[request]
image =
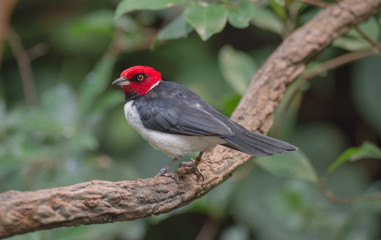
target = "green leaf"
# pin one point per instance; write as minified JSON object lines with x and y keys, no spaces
{"x":207,"y":20}
{"x":87,"y":35}
{"x":366,"y":150}
{"x":366,"y":87}
{"x":237,"y":67}
{"x":351,"y":44}
{"x":266,"y":19}
{"x":371,"y":28}
{"x":240,"y":15}
{"x":38,"y":122}
{"x":178,"y":28}
{"x":278,"y":7}
{"x":353,"y":41}
{"x":132,"y":5}
{"x":108,"y":100}
{"x":328,"y":143}
{"x":286,"y":114}
{"x":231,"y":103}
{"x":100,"y":21}
{"x":235,"y":232}
{"x":96,"y":82}
{"x":293,"y":164}
{"x":59,"y":103}
{"x":3,"y":112}
{"x":84,"y":141}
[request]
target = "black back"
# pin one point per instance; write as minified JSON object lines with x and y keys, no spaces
{"x":177,"y":110}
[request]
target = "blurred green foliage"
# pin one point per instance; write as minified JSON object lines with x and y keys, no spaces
{"x":77,"y":132}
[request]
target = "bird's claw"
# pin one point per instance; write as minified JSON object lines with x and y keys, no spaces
{"x":164,"y":173}
{"x":193,"y":164}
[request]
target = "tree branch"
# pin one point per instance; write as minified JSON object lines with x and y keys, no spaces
{"x":25,"y":69}
{"x":102,"y":201}
{"x":6,"y":9}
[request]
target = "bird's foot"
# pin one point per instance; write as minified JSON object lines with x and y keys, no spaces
{"x":193,"y":164}
{"x":163,"y":173}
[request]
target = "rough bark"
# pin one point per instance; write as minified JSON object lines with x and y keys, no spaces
{"x":102,"y":201}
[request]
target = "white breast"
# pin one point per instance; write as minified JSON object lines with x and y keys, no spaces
{"x":171,"y":144}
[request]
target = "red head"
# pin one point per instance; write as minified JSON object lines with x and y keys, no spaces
{"x":138,"y":79}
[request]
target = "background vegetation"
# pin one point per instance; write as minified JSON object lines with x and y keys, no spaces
{"x":61,"y":121}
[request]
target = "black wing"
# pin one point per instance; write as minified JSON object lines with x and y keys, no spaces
{"x":177,"y":110}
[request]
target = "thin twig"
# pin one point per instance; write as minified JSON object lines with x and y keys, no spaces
{"x":335,"y":199}
{"x":37,"y":51}
{"x":292,"y":15}
{"x":337,"y":62}
{"x":316,"y":71}
{"x":369,"y":39}
{"x":6,"y":10}
{"x":25,"y":69}
{"x":329,"y":65}
{"x":315,"y":3}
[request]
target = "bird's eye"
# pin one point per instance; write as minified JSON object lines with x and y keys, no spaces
{"x":140,"y":77}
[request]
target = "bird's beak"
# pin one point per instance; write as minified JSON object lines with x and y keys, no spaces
{"x":122,"y":81}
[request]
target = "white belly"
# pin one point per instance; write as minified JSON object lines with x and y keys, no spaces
{"x":171,"y":144}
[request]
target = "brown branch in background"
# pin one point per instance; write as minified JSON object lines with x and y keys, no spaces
{"x":37,"y":51}
{"x":292,"y":15}
{"x":316,"y":71}
{"x":335,"y":199}
{"x":337,"y":62}
{"x":6,"y":9}
{"x":24,"y":66}
{"x":103,"y":202}
{"x":289,"y":60}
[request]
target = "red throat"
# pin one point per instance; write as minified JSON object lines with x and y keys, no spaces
{"x":151,"y":78}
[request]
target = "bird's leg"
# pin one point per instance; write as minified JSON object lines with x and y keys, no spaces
{"x":194,"y":163}
{"x":163,"y":171}
{"x":198,"y":158}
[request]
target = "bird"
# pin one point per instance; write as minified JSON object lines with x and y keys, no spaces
{"x":177,"y":121}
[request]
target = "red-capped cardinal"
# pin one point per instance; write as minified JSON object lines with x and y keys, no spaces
{"x":177,"y":121}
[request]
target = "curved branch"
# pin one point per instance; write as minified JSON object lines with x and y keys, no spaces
{"x":6,"y":9}
{"x":25,"y":69}
{"x":102,"y":201}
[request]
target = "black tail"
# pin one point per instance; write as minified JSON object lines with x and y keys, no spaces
{"x":257,"y":144}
